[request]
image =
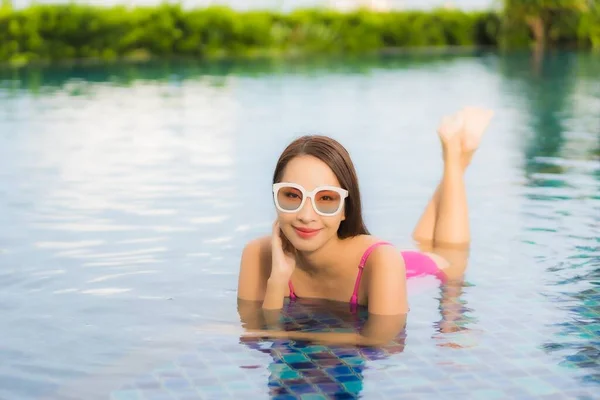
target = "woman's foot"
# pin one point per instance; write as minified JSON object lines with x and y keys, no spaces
{"x":476,"y":120}
{"x":451,"y":134}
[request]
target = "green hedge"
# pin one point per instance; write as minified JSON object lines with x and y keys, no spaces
{"x":58,"y":32}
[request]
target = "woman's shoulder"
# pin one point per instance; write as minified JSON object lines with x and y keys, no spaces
{"x":257,"y":248}
{"x":364,"y":242}
{"x":376,"y":250}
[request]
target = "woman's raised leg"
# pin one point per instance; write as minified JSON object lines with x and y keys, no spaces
{"x":445,"y":219}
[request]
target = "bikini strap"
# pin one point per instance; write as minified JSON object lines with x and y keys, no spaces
{"x":361,"y":266}
{"x":292,"y":294}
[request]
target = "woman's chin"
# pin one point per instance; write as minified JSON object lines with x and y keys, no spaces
{"x":302,"y":245}
{"x":308,"y":245}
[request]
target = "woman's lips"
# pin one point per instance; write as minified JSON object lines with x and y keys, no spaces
{"x":306,"y":233}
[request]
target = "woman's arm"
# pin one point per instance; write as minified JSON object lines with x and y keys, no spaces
{"x":254,"y":317}
{"x":379,"y":330}
{"x":253,"y":286}
{"x":385,"y":275}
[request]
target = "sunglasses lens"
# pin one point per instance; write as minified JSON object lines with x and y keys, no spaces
{"x":289,"y":198}
{"x":327,"y":201}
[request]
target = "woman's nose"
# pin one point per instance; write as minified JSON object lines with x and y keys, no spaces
{"x":307,"y":212}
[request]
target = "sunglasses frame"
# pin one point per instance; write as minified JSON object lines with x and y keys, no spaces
{"x":306,"y":194}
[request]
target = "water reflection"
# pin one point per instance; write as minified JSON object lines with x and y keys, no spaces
{"x":301,"y":367}
{"x":454,"y":328}
{"x":562,"y":187}
{"x":78,"y":78}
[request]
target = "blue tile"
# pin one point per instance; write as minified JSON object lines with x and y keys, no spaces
{"x":294,"y":358}
{"x":355,"y":361}
{"x":315,"y":349}
{"x":353,"y":387}
{"x":341,"y":370}
{"x":347,"y":378}
{"x":302,"y":388}
{"x":302,"y":365}
{"x":346,"y":352}
{"x":291,"y":382}
{"x":289,"y":375}
{"x":330,"y":387}
{"x":343,"y":396}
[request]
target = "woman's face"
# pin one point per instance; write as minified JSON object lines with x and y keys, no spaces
{"x":307,"y":228}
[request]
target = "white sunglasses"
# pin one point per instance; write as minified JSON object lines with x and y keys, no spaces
{"x":326,"y":200}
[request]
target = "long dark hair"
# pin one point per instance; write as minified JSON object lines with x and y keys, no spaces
{"x":332,"y":153}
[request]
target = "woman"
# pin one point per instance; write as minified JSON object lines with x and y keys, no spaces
{"x":321,"y":249}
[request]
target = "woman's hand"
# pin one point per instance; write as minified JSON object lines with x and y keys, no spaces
{"x":282,"y":266}
{"x":282,"y":263}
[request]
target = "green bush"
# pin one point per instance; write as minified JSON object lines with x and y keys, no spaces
{"x":70,"y":31}
{"x":588,"y":31}
{"x":550,"y":22}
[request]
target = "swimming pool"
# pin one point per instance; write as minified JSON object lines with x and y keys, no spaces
{"x":128,"y":191}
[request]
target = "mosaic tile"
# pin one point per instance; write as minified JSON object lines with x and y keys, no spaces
{"x":201,"y":382}
{"x":353,"y":386}
{"x":347,"y":378}
{"x":175,"y":383}
{"x":535,"y":386}
{"x":322,"y":379}
{"x":312,"y":396}
{"x":339,"y":370}
{"x":291,"y":382}
{"x":488,"y":394}
{"x":327,"y":363}
{"x":148,"y":385}
{"x":302,"y":388}
{"x":215,"y":388}
{"x":240,"y":386}
{"x":283,"y":397}
{"x":187,"y":395}
{"x":354,"y":360}
{"x":157,"y":396}
{"x":126,"y":395}
{"x":281,"y":391}
{"x":423,"y":390}
{"x":314,"y":373}
{"x":302,"y":365}
{"x":330,"y":387}
{"x":294,"y":358}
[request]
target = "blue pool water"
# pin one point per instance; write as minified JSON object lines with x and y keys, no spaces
{"x":128,"y":191}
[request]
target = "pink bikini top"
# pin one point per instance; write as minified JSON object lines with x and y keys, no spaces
{"x":361,"y":266}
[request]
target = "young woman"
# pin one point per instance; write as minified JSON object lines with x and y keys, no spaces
{"x":320,"y":247}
